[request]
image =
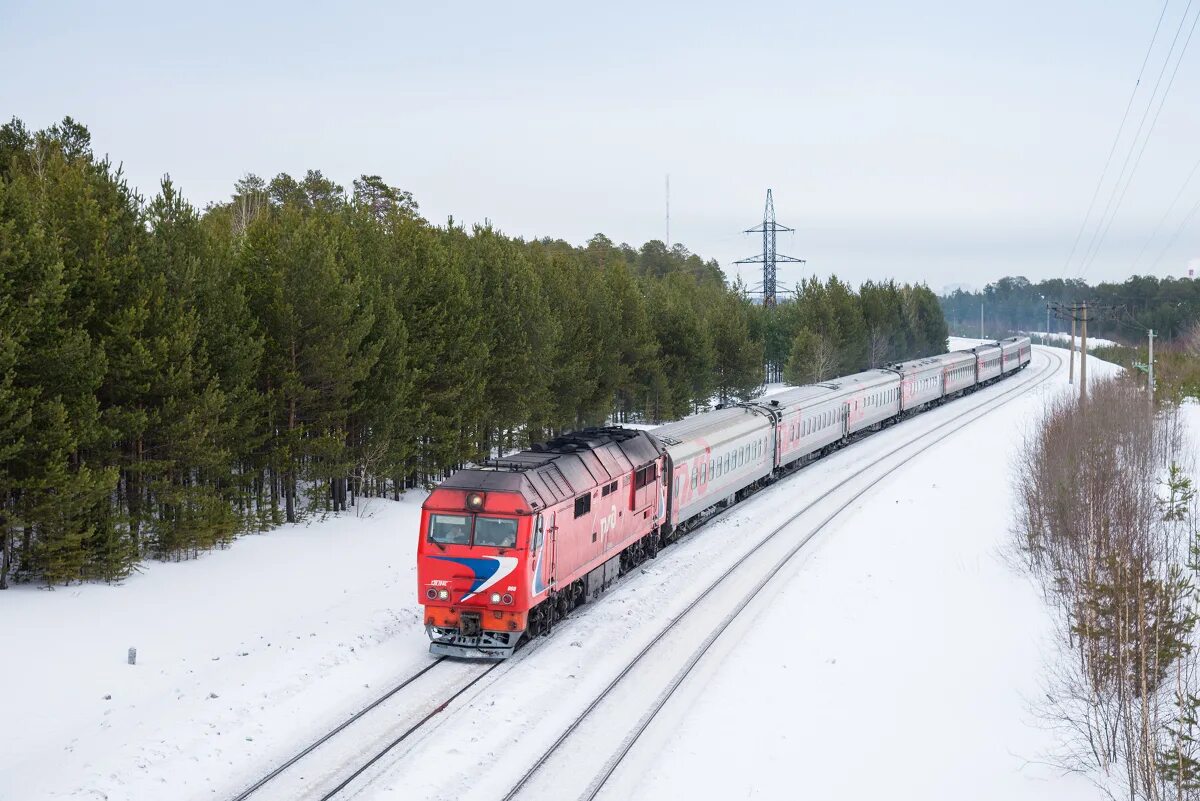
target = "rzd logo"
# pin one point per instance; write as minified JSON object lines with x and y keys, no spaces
{"x":608,"y":523}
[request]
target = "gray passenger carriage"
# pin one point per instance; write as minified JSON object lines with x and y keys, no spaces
{"x":987,"y":362}
{"x":809,"y":419}
{"x":872,"y":397}
{"x":713,"y":456}
{"x":920,"y":382}
{"x":958,"y":371}
{"x":1016,"y":353}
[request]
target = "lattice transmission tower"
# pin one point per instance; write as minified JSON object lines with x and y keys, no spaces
{"x":769,"y":258}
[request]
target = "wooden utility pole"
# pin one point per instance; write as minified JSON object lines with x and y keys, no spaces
{"x":981,"y":320}
{"x":1150,"y":371}
{"x":1071,"y":376}
{"x":1083,"y":360}
{"x":1081,"y":313}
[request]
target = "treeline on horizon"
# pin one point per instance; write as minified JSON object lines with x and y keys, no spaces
{"x":171,"y":378}
{"x":1170,"y":306}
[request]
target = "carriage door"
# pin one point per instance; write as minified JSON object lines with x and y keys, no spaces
{"x":552,"y":549}
{"x":644,"y":483}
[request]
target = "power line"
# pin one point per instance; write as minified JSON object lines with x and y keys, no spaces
{"x":1178,"y":230}
{"x":1150,"y":132}
{"x":1116,"y":140}
{"x":1166,"y":214}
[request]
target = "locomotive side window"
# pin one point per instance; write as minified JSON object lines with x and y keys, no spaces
{"x":583,"y":504}
{"x":496,"y":532}
{"x":450,"y":529}
{"x":646,"y":475}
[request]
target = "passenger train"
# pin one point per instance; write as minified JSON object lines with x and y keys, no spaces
{"x":511,"y":546}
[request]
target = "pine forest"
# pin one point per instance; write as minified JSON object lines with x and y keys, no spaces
{"x":172,"y":377}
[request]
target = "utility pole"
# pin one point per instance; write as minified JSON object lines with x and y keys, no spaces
{"x":1071,"y":378}
{"x":1081,"y":313}
{"x":1150,"y":370}
{"x":1046,"y":339}
{"x":768,"y":228}
{"x":1083,"y":361}
{"x":981,"y":319}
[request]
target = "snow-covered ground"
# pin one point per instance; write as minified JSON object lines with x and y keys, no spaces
{"x":895,"y":657}
{"x":1058,"y":336}
{"x":241,"y":654}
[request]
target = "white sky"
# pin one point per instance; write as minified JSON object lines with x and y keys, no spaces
{"x":939,"y":141}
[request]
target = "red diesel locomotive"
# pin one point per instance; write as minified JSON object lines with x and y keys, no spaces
{"x":558,"y":519}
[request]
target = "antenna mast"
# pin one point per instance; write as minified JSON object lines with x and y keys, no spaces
{"x":668,"y":211}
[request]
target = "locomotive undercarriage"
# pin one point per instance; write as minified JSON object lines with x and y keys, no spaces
{"x":561,"y":603}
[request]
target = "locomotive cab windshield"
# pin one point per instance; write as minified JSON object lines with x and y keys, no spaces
{"x":472,"y":530}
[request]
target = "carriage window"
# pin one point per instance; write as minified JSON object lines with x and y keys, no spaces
{"x":450,"y":529}
{"x":583,"y":505}
{"x":496,"y":532}
{"x":695,"y":478}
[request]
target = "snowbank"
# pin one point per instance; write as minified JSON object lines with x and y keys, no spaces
{"x":242,"y":654}
{"x":1058,"y":336}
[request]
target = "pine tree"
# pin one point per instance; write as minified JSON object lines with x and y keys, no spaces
{"x":738,"y":359}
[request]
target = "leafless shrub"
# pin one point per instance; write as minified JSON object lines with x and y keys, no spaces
{"x":1091,"y":528}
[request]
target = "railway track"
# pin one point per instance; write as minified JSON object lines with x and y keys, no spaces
{"x":634,"y":698}
{"x":328,"y":767}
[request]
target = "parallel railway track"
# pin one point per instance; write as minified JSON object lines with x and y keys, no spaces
{"x":541,"y":781}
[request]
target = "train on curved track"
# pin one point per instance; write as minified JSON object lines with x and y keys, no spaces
{"x":511,"y":546}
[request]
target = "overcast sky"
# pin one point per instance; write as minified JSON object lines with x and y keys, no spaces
{"x":938,"y":141}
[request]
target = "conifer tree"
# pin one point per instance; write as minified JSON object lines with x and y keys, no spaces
{"x":738,"y":359}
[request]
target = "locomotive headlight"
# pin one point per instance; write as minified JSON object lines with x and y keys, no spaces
{"x":475,"y":501}
{"x":443,"y":595}
{"x":495,"y":597}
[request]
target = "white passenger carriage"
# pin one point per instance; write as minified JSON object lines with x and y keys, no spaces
{"x":810,"y":418}
{"x":958,"y":370}
{"x":1016,"y":353}
{"x":714,"y":455}
{"x":871,"y":398}
{"x":987,"y":362}
{"x":920,"y":382}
